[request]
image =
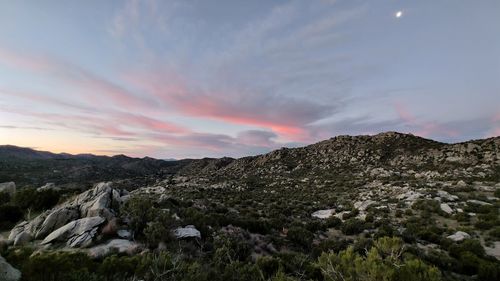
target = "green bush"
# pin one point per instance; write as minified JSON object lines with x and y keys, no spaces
{"x":352,"y":226}
{"x":30,"y":198}
{"x":300,"y":236}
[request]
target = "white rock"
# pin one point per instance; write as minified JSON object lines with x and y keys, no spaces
{"x":48,"y":186}
{"x":323,"y":214}
{"x":493,"y":251}
{"x":125,"y":234}
{"x":8,"y":187}
{"x":119,"y":245}
{"x":56,"y":219}
{"x":341,"y":215}
{"x":477,"y":202}
{"x":187,"y":232}
{"x":459,"y":236}
{"x":445,"y":195}
{"x":446,"y":208}
{"x":18,"y":229}
{"x":7,"y":272}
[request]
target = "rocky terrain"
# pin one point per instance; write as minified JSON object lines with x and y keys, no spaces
{"x":291,"y":214}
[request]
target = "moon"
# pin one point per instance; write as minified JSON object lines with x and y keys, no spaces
{"x":399,"y":14}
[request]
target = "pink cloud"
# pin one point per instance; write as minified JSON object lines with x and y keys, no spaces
{"x":422,"y":128}
{"x":283,"y":115}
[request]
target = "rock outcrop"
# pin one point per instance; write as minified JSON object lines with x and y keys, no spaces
{"x":7,"y":272}
{"x":75,"y":222}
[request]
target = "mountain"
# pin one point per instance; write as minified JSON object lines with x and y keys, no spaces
{"x":341,"y":155}
{"x":27,"y":166}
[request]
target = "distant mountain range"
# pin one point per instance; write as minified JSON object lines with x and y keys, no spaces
{"x":391,"y":149}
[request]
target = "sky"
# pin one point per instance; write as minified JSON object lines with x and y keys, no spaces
{"x":207,"y":78}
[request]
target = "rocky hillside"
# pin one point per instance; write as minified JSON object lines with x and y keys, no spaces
{"x":384,"y":155}
{"x":394,"y":206}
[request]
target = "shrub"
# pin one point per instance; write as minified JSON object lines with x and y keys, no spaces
{"x":269,"y":266}
{"x":352,"y":226}
{"x":9,"y":215}
{"x":384,"y":261}
{"x":300,"y":236}
{"x":30,"y":198}
{"x":333,"y":222}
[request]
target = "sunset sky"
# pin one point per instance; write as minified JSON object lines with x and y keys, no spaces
{"x":196,"y":78}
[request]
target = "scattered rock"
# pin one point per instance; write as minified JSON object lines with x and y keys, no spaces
{"x":446,"y":208}
{"x":8,"y":187}
{"x":7,"y":272}
{"x":187,"y":232}
{"x":459,"y":236}
{"x":410,"y":196}
{"x":323,"y":214}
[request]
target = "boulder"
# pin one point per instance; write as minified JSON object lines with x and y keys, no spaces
{"x":446,"y":208}
{"x":7,"y":272}
{"x":446,"y":196}
{"x":18,"y":229}
{"x":8,"y":187}
{"x":78,"y":233}
{"x":459,"y":236}
{"x":323,"y":214}
{"x":56,"y":219}
{"x":118,"y":245}
{"x":125,"y":234}
{"x":22,"y":239}
{"x":187,"y":232}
